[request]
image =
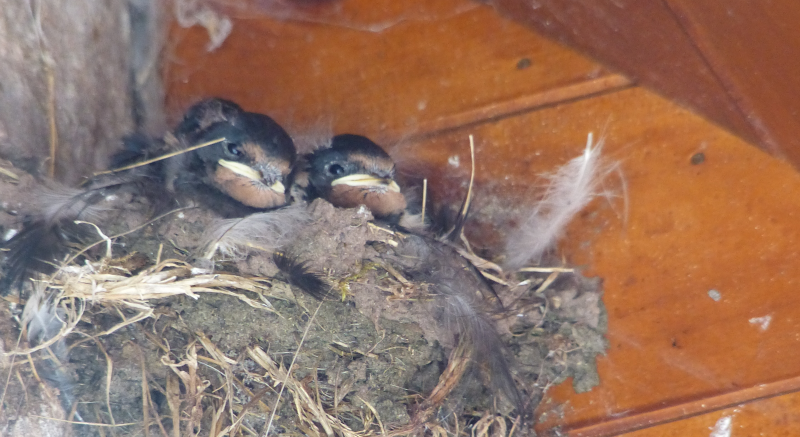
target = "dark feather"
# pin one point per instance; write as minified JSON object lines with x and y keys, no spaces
{"x":37,"y":248}
{"x":461,"y":219}
{"x":136,"y":147}
{"x":466,"y":300}
{"x":301,"y":276}
{"x":46,"y":239}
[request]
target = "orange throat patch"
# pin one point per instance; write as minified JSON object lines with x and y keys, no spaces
{"x":382,"y":203}
{"x":247,"y":191}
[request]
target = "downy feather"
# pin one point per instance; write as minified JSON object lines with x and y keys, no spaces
{"x":60,"y":202}
{"x":569,"y":190}
{"x":43,"y":321}
{"x":264,"y":231}
{"x":46,"y":236}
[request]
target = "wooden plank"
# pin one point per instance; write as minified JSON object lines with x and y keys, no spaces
{"x":418,"y":75}
{"x":644,"y":41}
{"x":65,"y":88}
{"x":725,"y":225}
{"x":769,"y":417}
{"x":754,"y":48}
{"x":722,"y":225}
{"x":679,"y":416}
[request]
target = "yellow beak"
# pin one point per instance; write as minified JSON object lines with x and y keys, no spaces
{"x":250,"y":173}
{"x":365,"y":180}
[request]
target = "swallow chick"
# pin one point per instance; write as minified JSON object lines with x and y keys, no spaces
{"x":355,"y":171}
{"x":250,"y":167}
{"x":244,"y":170}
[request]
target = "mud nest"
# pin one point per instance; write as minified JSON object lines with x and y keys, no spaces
{"x":163,"y":344}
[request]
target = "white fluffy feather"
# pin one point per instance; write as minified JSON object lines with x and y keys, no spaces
{"x":265,"y":231}
{"x":413,"y":223}
{"x":40,"y":317}
{"x":569,"y":190}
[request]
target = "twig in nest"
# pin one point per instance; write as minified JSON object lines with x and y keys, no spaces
{"x":73,"y":319}
{"x":468,"y":200}
{"x":392,"y":271}
{"x":173,"y":389}
{"x":374,"y":412}
{"x":552,"y":277}
{"x":9,"y":173}
{"x":424,"y":197}
{"x":147,"y":401}
{"x":109,"y":373}
{"x":544,"y":314}
{"x":458,"y":229}
{"x":307,"y":410}
{"x":113,"y":237}
{"x":51,"y":114}
{"x":162,"y":157}
{"x":457,"y":365}
{"x":483,"y":427}
{"x":8,"y":377}
{"x":255,"y":398}
{"x":216,"y":423}
{"x":103,"y":425}
{"x":483,"y":265}
{"x":99,"y":232}
{"x":212,"y":349}
{"x":546,"y":270}
{"x":169,"y":278}
{"x":388,"y":231}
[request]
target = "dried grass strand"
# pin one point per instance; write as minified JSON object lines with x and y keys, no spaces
{"x":162,"y":157}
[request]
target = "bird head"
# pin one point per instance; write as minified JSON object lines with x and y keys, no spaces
{"x":355,"y":171}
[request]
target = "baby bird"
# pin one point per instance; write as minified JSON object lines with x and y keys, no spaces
{"x":251,"y":165}
{"x":246,"y":169}
{"x":355,"y":171}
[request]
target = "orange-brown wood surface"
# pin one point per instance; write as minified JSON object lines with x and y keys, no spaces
{"x":642,"y":39}
{"x":409,"y":79}
{"x":723,"y":225}
{"x":754,"y":49}
{"x":775,"y":417}
{"x":728,"y":224}
{"x":733,"y":61}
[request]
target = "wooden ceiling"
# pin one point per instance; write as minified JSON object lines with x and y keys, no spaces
{"x":735,"y":62}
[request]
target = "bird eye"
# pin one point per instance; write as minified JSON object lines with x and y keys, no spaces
{"x":234,"y":149}
{"x":335,"y":169}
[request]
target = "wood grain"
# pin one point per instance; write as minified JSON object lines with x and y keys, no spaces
{"x":413,"y":77}
{"x":774,"y":417}
{"x":722,"y":225}
{"x":643,"y":40}
{"x":725,"y":225}
{"x":754,"y":50}
{"x":735,"y":62}
{"x":678,"y":418}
